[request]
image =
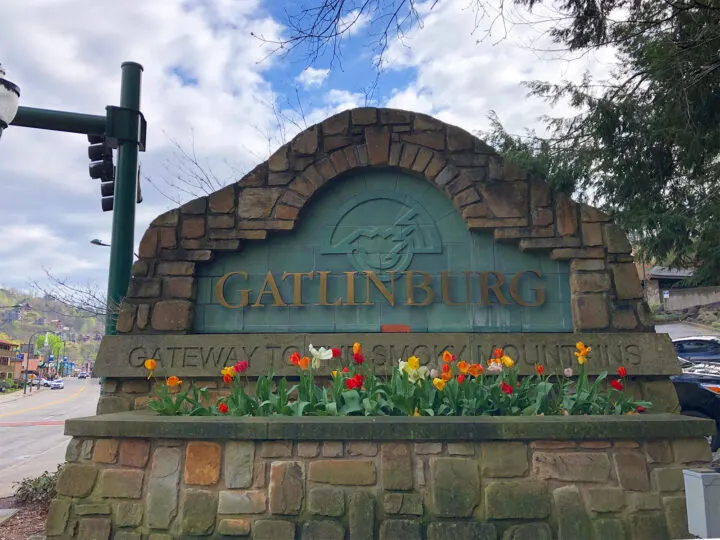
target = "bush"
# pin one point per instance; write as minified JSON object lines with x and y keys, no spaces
{"x":7,"y":384}
{"x":40,"y":489}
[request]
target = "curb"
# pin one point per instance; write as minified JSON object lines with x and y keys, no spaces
{"x":703,"y":326}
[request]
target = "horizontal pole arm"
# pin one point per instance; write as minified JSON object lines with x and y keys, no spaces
{"x":87,"y":124}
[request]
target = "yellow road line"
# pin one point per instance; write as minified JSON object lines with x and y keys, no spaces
{"x":73,"y":396}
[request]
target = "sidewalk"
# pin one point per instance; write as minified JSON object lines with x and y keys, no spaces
{"x":14,"y":396}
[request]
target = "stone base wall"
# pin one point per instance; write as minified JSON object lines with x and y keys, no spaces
{"x":158,"y":489}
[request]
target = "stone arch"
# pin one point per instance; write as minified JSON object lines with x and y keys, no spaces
{"x":490,"y":193}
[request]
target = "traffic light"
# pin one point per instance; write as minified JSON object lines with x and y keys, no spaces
{"x":101,"y":167}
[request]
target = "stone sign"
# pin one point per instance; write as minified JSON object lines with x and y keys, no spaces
{"x":206,"y":355}
{"x":379,"y":248}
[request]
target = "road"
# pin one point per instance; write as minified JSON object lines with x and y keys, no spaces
{"x":680,"y":330}
{"x":31,"y":428}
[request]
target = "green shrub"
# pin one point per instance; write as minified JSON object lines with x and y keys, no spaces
{"x":40,"y":489}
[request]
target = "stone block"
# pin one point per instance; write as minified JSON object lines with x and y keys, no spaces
{"x":172,"y":315}
{"x":658,"y":451}
{"x":322,"y":529}
{"x":259,"y":475}
{"x":616,"y":239}
{"x":242,"y":502}
{"x":179,"y":287}
{"x":691,"y":450}
{"x":361,"y":515}
{"x":134,"y":452}
{"x":528,"y":531}
{"x":192,"y":227}
{"x":590,"y":265}
{"x":396,"y":466}
{"x":336,"y":124}
{"x":175,"y":268}
{"x":631,"y":470}
{"x":202,"y":463}
{"x":306,"y":143}
{"x":516,"y":499}
{"x":403,"y":503}
{"x":360,"y":448}
{"x":605,"y":499}
{"x":566,"y":215}
{"x":326,"y":501}
{"x":276,"y":449}
{"x":127,"y":514}
{"x":149,"y":244}
{"x":143,"y":316}
{"x":307,"y":449}
{"x":196,"y":206}
{"x":627,"y":282}
{"x":223,"y":201}
{"x":638,"y":500}
{"x":127,"y":535}
{"x":595,"y":444}
{"x":72,"y":452}
{"x":234,"y":527}
{"x":112,"y":404}
{"x":377,"y":140}
{"x":454,"y":486}
{"x":198,"y":511}
{"x":589,"y":282}
{"x":162,"y":490}
{"x":400,"y":529}
{"x":332,"y":449}
{"x":590,"y":312}
{"x":623,"y":318}
{"x":504,"y":459}
{"x":572,"y":520}
{"x":661,"y":393}
{"x":273,"y":529}
{"x":572,"y":466}
{"x":92,"y":509}
{"x":141,"y":287}
{"x":121,"y":483}
{"x":433,"y":140}
{"x":105,"y":451}
{"x":461,"y":449}
{"x":57,"y":517}
{"x":287,"y":487}
{"x":428,"y":448}
{"x":461,"y":531}
{"x":278,"y":162}
{"x":160,"y":536}
{"x":257,"y":203}
{"x":94,"y":529}
{"x":238,"y":467}
{"x":422,"y":160}
{"x":592,"y":234}
{"x":667,"y":479}
{"x":552,"y":445}
{"x":648,"y":526}
{"x":76,"y":480}
{"x":345,"y":472}
{"x":676,"y":517}
{"x":608,"y":529}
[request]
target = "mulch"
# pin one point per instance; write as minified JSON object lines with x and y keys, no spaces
{"x":29,"y":520}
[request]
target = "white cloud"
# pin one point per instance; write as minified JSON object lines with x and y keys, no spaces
{"x":353,"y":22}
{"x":466,"y":66}
{"x":312,"y":77}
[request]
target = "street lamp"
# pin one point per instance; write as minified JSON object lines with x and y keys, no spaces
{"x":31,"y":347}
{"x":9,"y":96}
{"x":123,"y":129}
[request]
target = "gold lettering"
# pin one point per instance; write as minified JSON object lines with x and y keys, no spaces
{"x":425,"y":286}
{"x":350,"y":301}
{"x":273,"y":291}
{"x":297,"y":285}
{"x":445,"y":281}
{"x":324,"y":291}
{"x":539,"y":291}
{"x":380,"y":286}
{"x":485,"y":288}
{"x":220,"y":291}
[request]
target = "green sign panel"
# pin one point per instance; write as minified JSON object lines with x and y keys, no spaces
{"x":377,"y":249}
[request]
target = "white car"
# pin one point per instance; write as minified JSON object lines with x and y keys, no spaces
{"x":57,"y":384}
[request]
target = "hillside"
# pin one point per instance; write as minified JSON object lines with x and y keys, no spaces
{"x":81,"y":332}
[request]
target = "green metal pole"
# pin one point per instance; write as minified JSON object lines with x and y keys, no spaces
{"x":121,"y":246}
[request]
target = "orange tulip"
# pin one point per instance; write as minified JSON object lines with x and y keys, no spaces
{"x":174,"y":381}
{"x":304,"y":362}
{"x":464,"y":367}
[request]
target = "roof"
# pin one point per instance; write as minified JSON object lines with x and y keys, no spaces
{"x":11,"y":343}
{"x":702,"y":338}
{"x":667,"y":272}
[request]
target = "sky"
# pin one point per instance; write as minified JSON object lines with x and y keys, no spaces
{"x":219,"y":97}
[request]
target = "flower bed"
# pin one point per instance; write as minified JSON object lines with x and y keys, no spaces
{"x":457,"y":389}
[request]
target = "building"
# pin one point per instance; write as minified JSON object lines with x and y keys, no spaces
{"x":660,"y":279}
{"x":7,"y":359}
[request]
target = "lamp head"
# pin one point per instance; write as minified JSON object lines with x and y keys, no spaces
{"x":9,"y":97}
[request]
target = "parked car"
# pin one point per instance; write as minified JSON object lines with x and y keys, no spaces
{"x":698,"y":391}
{"x":698,"y":348}
{"x":57,"y":384}
{"x":82,"y":375}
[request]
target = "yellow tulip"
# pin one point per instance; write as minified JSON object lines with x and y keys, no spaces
{"x":439,"y":384}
